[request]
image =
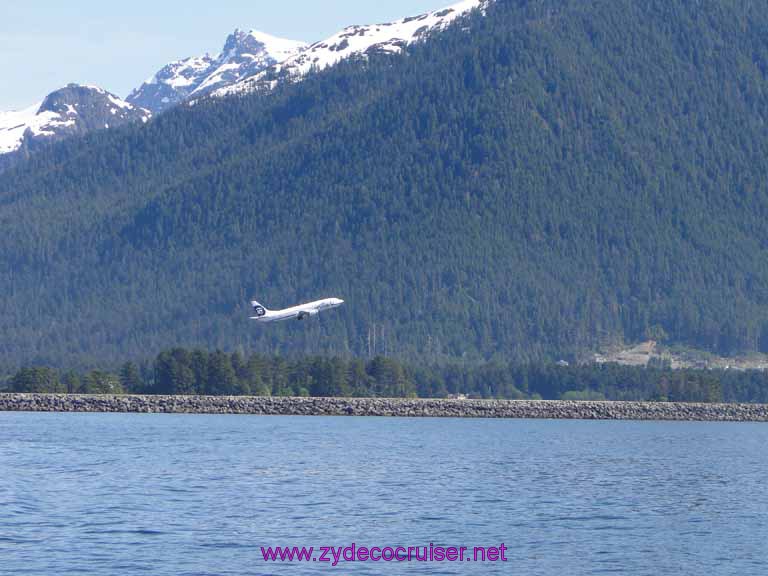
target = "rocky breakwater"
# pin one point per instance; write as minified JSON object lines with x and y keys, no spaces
{"x":393,"y":407}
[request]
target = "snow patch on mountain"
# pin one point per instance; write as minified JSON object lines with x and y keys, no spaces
{"x":391,"y":37}
{"x":13,"y":124}
{"x":249,"y":61}
{"x":65,"y":112}
{"x":244,"y":55}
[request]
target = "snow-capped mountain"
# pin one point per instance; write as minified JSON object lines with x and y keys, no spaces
{"x":72,"y":110}
{"x":172,"y":84}
{"x":244,"y":55}
{"x":353,"y":41}
{"x":250,"y":61}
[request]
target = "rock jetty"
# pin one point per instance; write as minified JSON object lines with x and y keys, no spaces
{"x":391,"y":407}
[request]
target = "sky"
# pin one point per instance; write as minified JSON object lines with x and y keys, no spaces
{"x":46,"y":44}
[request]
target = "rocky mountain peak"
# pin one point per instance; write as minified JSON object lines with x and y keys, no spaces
{"x":390,"y":37}
{"x":69,"y":111}
{"x":245,"y":54}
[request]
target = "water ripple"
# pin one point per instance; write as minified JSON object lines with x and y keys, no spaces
{"x":92,"y":494}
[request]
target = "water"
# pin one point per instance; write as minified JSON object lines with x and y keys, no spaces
{"x":152,"y":494}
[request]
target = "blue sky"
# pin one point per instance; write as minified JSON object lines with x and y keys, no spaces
{"x":45,"y":44}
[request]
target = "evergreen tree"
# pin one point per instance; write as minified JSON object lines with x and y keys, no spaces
{"x":37,"y":380}
{"x":130,"y":378}
{"x":222,"y":379}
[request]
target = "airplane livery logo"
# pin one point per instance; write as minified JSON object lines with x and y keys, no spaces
{"x":259,"y":311}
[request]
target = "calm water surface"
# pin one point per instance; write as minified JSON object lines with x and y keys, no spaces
{"x":153,"y":494}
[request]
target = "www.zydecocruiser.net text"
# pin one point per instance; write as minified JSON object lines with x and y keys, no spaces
{"x":335,"y":555}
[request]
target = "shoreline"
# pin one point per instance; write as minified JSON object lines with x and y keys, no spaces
{"x":386,"y":407}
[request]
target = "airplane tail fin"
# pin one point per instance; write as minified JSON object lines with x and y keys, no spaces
{"x":258,"y":309}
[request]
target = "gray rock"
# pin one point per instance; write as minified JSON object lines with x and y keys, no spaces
{"x":431,"y":408}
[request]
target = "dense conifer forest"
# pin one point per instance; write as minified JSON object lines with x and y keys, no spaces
{"x":525,"y":186}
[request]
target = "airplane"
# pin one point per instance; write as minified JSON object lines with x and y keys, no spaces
{"x":302,"y":312}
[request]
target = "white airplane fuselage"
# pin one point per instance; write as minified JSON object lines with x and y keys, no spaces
{"x":302,"y":312}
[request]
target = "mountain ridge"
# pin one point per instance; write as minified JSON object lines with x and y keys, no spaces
{"x":244,"y":54}
{"x":548,"y":179}
{"x":352,"y":41}
{"x":249,"y":60}
{"x":73,"y":110}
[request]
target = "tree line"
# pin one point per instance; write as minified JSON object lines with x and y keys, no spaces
{"x":197,"y":372}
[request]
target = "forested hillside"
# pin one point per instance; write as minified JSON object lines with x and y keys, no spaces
{"x":525,"y":185}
